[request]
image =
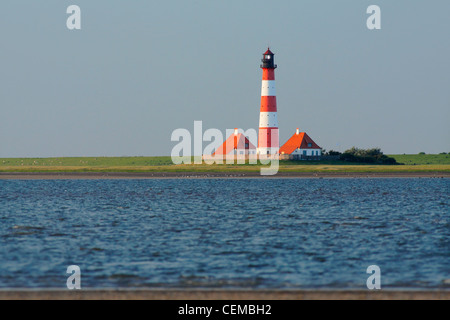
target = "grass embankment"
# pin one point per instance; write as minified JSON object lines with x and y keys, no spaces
{"x":422,"y":159}
{"x":413,"y":163}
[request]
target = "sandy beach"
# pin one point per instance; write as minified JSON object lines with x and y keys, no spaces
{"x":200,"y":175}
{"x":220,"y":294}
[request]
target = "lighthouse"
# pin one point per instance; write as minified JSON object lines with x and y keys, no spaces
{"x":268,"y":141}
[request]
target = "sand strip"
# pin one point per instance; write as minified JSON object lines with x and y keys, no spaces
{"x":202,"y":175}
{"x":211,"y":294}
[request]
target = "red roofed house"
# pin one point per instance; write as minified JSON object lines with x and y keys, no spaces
{"x":299,"y":146}
{"x":236,"y":144}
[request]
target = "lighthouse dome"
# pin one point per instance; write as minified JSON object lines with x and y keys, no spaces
{"x":267,"y":60}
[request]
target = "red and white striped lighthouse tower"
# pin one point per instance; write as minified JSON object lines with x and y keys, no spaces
{"x":268,"y":142}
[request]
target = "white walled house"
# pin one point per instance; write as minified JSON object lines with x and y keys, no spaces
{"x":300,"y":144}
{"x":236,"y":144}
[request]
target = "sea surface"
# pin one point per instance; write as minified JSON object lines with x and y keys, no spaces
{"x":225,"y":233}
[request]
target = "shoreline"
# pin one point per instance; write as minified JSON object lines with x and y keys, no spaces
{"x":214,"y":175}
{"x":222,"y":294}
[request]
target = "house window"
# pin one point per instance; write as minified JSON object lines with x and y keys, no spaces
{"x":309,"y":145}
{"x":304,"y":152}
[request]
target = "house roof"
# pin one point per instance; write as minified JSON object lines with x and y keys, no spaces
{"x":235,"y":141}
{"x":298,"y":140}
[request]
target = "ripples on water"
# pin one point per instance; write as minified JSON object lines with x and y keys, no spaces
{"x":243,"y":233}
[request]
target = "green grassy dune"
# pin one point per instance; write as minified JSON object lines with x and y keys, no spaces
{"x":412,"y":163}
{"x":422,"y":159}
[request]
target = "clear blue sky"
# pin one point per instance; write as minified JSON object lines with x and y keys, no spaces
{"x":137,"y":70}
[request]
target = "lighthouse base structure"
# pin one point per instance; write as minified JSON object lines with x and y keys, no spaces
{"x":268,"y":137}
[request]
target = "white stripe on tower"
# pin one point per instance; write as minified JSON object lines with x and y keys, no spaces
{"x":268,"y":88}
{"x":268,"y":141}
{"x":268,"y":120}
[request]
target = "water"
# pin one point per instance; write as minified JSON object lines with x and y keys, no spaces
{"x":225,"y":233}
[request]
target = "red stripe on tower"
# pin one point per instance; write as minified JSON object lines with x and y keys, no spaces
{"x":268,"y":141}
